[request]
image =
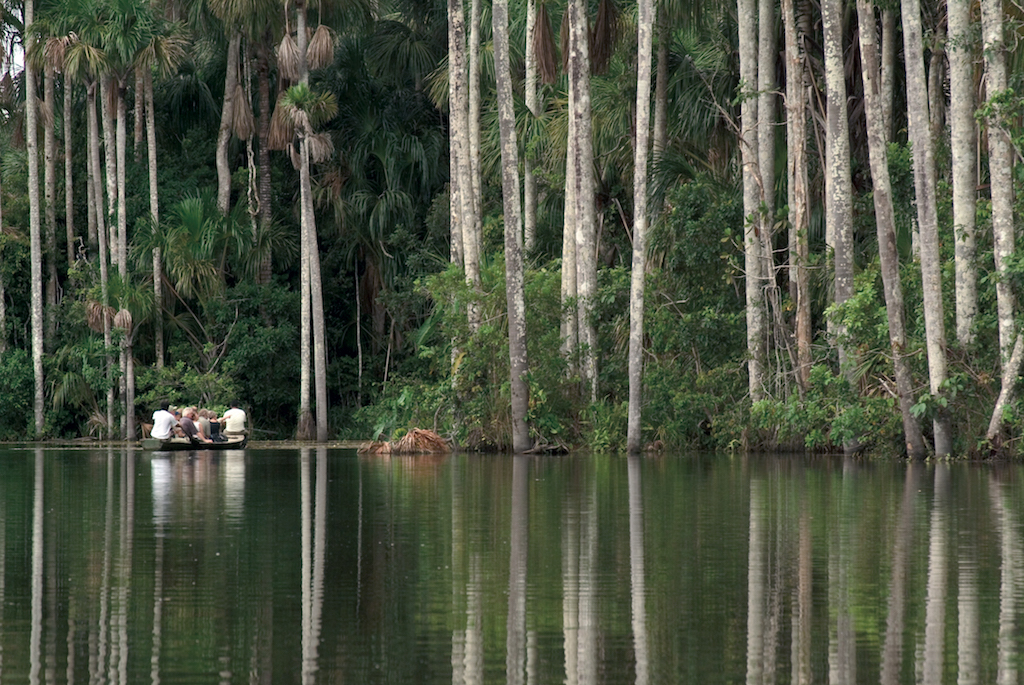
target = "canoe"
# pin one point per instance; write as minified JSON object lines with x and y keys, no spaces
{"x":233,"y":442}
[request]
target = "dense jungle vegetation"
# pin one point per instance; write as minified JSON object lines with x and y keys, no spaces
{"x":298,"y":157}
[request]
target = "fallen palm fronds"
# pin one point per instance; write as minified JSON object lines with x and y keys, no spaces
{"x":416,"y":441}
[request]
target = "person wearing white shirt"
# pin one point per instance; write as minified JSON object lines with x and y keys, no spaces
{"x":233,"y":420}
{"x":163,"y":422}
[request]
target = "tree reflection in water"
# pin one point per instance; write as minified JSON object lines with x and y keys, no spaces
{"x":316,"y":566}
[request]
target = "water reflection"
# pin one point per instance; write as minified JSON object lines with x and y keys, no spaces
{"x":315,"y":566}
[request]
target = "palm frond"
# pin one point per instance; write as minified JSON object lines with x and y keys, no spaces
{"x":320,"y":52}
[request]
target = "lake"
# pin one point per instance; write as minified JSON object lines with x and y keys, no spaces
{"x":321,"y":566}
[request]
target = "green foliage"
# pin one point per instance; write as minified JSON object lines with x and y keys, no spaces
{"x":829,"y":415}
{"x":181,"y":385}
{"x":17,"y":389}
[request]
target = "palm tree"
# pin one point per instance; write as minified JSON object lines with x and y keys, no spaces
{"x":515,"y":301}
{"x":306,"y":110}
{"x":34,"y":220}
{"x":645,"y":43}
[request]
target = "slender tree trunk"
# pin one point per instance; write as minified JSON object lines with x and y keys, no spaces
{"x":796,"y":117}
{"x":937,"y":80}
{"x":316,"y":295}
{"x":1000,"y":162}
{"x":889,"y":38}
{"x":460,"y":144}
{"x":122,"y":181}
{"x":964,"y":174}
{"x":96,"y":185}
{"x":474,"y":119}
{"x":107,"y":108}
{"x":154,"y":217}
{"x":224,"y":133}
{"x":139,"y":113}
{"x":35,"y":224}
{"x":69,"y":196}
{"x":585,"y":219}
{"x":50,"y":205}
{"x":927,"y":218}
{"x":641,"y":212}
{"x":570,"y":309}
{"x":532,"y":104}
{"x":884,"y":218}
{"x":514,"y":297}
{"x":263,"y":132}
{"x":753,"y":262}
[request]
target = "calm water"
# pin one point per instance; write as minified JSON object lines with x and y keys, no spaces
{"x":317,"y":566}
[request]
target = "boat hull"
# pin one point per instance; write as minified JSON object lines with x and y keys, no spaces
{"x":233,"y":442}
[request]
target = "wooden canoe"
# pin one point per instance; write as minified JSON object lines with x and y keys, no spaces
{"x":233,"y":442}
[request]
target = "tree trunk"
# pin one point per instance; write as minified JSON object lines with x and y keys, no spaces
{"x":1000,"y":163}
{"x":263,"y":132}
{"x":937,"y":80}
{"x":224,"y":133}
{"x":796,"y":136}
{"x":69,"y":196}
{"x":154,"y":217}
{"x":460,"y":145}
{"x":110,"y":154}
{"x":474,"y":120}
{"x":532,"y":104}
{"x":570,"y":309}
{"x":315,"y":294}
{"x":122,"y":181}
{"x":927,"y":218}
{"x":885,"y":221}
{"x":514,"y":297}
{"x":889,"y":37}
{"x":585,"y":217}
{"x":963,"y":160}
{"x":753,"y":262}
{"x":96,"y":185}
{"x":838,"y":188}
{"x":641,"y":212}
{"x":50,"y":205}
{"x":35,"y":225}
{"x":140,"y":112}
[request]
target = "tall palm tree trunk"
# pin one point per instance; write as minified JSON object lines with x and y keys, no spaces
{"x":101,"y":233}
{"x":122,"y":180}
{"x":886,"y":225}
{"x":570,"y":307}
{"x":920,"y":133}
{"x":796,"y":138}
{"x":263,"y":158}
{"x":35,"y":224}
{"x":1000,"y":164}
{"x":532,"y":104}
{"x":752,"y":259}
{"x":645,"y":44}
{"x":69,"y":195}
{"x":50,"y":205}
{"x":962,"y":158}
{"x":154,"y":217}
{"x":110,"y":155}
{"x":585,"y":212}
{"x":514,"y":297}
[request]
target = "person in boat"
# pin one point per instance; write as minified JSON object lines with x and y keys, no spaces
{"x":164,"y":422}
{"x":189,"y":426}
{"x":234,"y":420}
{"x":204,"y":423}
{"x":215,"y":428}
